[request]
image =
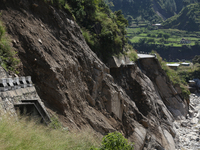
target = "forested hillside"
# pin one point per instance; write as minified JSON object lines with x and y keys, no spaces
{"x":103,"y":30}
{"x":188,"y":19}
{"x":149,"y":9}
{"x":135,"y":8}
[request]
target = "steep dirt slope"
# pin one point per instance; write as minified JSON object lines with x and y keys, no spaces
{"x":72,"y":81}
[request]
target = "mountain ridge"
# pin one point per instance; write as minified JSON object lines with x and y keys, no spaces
{"x":188,"y":19}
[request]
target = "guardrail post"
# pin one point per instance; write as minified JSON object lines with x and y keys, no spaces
{"x":3,"y":85}
{"x":22,"y":81}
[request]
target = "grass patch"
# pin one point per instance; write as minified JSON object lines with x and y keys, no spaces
{"x":135,"y":39}
{"x":23,"y":135}
{"x":132,"y":54}
{"x":175,"y":36}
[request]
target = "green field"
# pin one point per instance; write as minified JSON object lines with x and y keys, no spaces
{"x":168,"y":37}
{"x":175,"y":36}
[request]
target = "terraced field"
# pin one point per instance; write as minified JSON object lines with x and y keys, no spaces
{"x":168,"y":37}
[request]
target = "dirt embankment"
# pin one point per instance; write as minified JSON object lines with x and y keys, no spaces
{"x":72,"y":81}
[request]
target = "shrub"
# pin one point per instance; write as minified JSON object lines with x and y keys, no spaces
{"x":88,"y":38}
{"x":160,"y":35}
{"x":196,"y":59}
{"x":2,"y":31}
{"x":149,"y":35}
{"x":115,"y":141}
{"x":132,"y":54}
{"x":7,"y":55}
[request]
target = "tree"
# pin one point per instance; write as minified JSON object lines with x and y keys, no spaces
{"x":196,"y":59}
{"x":151,"y":40}
{"x":130,"y":20}
{"x":166,"y":36}
{"x":186,"y":2}
{"x":162,"y":40}
{"x":160,"y":35}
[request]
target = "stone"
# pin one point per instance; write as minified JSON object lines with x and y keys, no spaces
{"x":90,"y":100}
{"x":191,"y":113}
{"x":169,"y":138}
{"x":194,"y":120}
{"x":40,"y":41}
{"x":184,"y":124}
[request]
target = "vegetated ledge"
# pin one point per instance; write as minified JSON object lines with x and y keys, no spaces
{"x":74,"y":82}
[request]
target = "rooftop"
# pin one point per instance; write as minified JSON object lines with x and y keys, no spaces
{"x":140,"y":56}
{"x":173,"y":65}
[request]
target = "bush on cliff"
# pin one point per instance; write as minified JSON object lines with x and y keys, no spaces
{"x":114,"y":141}
{"x":7,"y":55}
{"x":104,"y":31}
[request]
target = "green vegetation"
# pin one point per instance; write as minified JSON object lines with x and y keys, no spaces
{"x":132,"y":54}
{"x":165,"y":37}
{"x":55,"y":124}
{"x":191,"y":72}
{"x":196,"y":59}
{"x":115,"y":141}
{"x":188,"y":19}
{"x":104,"y":30}
{"x":135,"y":9}
{"x":23,"y":135}
{"x":7,"y":55}
{"x":29,"y":135}
{"x":175,"y":76}
{"x":168,"y":5}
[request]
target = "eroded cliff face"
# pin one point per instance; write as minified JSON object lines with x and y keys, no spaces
{"x":72,"y":81}
{"x":171,"y":96}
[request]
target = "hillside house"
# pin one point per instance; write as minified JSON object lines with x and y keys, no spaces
{"x":173,"y":66}
{"x":185,"y":41}
{"x":157,"y":25}
{"x":185,"y":64}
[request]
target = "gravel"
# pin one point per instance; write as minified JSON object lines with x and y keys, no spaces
{"x":188,"y":130}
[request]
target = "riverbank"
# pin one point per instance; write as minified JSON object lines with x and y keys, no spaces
{"x":188,"y":130}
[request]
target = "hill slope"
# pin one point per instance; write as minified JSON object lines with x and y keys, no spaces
{"x":150,"y":10}
{"x":85,"y":93}
{"x":187,"y":19}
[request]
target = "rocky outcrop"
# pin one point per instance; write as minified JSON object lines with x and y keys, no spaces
{"x":72,"y":81}
{"x":170,"y":96}
{"x":155,"y":116}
